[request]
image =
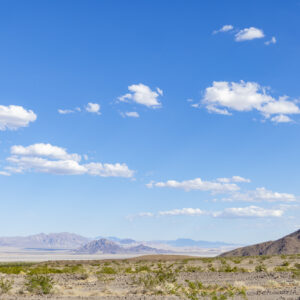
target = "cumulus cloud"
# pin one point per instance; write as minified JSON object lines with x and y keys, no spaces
{"x":183,"y":212}
{"x":223,"y":97}
{"x":130,"y":114}
{"x":250,"y":33}
{"x":261,"y":194}
{"x":142,"y":94}
{"x":93,"y":108}
{"x":232,"y":212}
{"x":271,"y":41}
{"x":225,"y":28}
{"x":248,"y":212}
{"x":281,"y":119}
{"x":46,"y":158}
{"x":196,"y":184}
{"x":46,"y":150}
{"x":13,"y":117}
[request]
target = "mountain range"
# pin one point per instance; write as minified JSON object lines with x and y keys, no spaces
{"x":105,"y":246}
{"x":63,"y":240}
{"x":289,"y":244}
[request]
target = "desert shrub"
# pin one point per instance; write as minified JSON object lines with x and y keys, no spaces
{"x":236,"y":260}
{"x":260,"y":268}
{"x":142,"y":269}
{"x":39,"y":284}
{"x":193,"y":269}
{"x":14,"y":268}
{"x":108,"y":270}
{"x":5,"y":285}
{"x":285,"y":264}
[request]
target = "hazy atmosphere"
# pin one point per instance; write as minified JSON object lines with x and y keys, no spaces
{"x":151,"y":120}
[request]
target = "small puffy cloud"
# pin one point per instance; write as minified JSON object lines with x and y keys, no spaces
{"x":130,"y":114}
{"x":46,"y":158}
{"x":46,"y":150}
{"x":281,"y":119}
{"x":225,"y":28}
{"x":248,"y":212}
{"x":250,"y":33}
{"x":13,"y":117}
{"x":223,"y":97}
{"x":142,"y":94}
{"x":271,"y":41}
{"x":183,"y":212}
{"x":196,"y":184}
{"x":93,"y":108}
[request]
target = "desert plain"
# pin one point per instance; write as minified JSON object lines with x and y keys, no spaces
{"x":154,"y":277}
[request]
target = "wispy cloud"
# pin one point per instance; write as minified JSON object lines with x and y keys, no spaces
{"x":224,"y":28}
{"x":271,"y":41}
{"x":130,"y":114}
{"x":196,"y":184}
{"x":232,"y":212}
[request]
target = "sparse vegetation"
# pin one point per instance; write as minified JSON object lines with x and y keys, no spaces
{"x":39,"y":284}
{"x":5,"y":285}
{"x":185,"y":278}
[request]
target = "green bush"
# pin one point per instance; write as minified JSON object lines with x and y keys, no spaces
{"x":39,"y":284}
{"x":260,"y":268}
{"x":108,"y":270}
{"x":5,"y":285}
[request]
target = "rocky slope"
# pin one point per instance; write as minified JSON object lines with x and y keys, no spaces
{"x":289,"y":244}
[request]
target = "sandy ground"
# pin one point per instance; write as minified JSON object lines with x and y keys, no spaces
{"x":156,"y":277}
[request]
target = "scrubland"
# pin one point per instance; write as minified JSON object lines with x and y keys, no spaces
{"x":155,"y":277}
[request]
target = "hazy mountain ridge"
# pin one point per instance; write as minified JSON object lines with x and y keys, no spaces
{"x":105,"y":246}
{"x":289,"y":244}
{"x":63,"y":240}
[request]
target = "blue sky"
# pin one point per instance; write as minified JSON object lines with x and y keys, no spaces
{"x":150,"y":119}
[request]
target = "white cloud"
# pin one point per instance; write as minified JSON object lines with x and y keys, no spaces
{"x":93,"y":108}
{"x":46,"y":158}
{"x":250,"y":33}
{"x":183,"y":212}
{"x":271,"y":41}
{"x":225,"y":28}
{"x":4,"y":173}
{"x":281,"y":119}
{"x":196,"y":184}
{"x":261,"y":195}
{"x":248,"y":212}
{"x":13,"y":117}
{"x":232,"y":212}
{"x":65,"y":111}
{"x":130,"y":114}
{"x":234,"y":179}
{"x":142,"y":94}
{"x":46,"y":150}
{"x":109,"y":170}
{"x":242,"y":96}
